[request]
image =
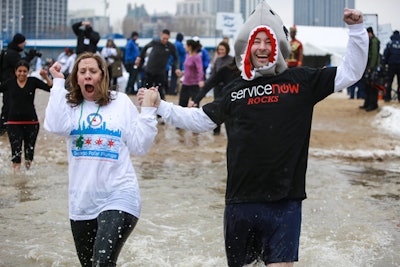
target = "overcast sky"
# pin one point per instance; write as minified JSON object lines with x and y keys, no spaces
{"x":388,"y":10}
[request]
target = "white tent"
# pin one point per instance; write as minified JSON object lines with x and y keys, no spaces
{"x":324,"y":40}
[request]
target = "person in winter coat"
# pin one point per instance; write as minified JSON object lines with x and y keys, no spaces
{"x":113,"y":57}
{"x":155,"y":70}
{"x":391,"y":58}
{"x":87,"y":38}
{"x":9,"y":59}
{"x":371,"y":93}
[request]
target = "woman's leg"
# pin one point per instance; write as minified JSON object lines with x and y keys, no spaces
{"x":15,"y":136}
{"x":30,"y":135}
{"x":184,"y":96}
{"x":84,"y":233}
{"x":114,"y":228}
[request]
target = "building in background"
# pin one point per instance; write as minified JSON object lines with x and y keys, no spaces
{"x":245,"y":7}
{"x":328,"y":13}
{"x":10,"y":18}
{"x":44,"y":19}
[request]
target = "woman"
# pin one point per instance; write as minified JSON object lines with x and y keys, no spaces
{"x":23,"y":123}
{"x":102,"y":128}
{"x":193,"y":75}
{"x":226,"y":75}
{"x":113,"y":57}
{"x":223,"y":59}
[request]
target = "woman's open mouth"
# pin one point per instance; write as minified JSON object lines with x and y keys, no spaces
{"x":89,"y":88}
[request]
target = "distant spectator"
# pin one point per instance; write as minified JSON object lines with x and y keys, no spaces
{"x":205,"y":57}
{"x":155,"y":71}
{"x":113,"y":57}
{"x":87,"y":37}
{"x":391,"y":57}
{"x":223,"y":59}
{"x":296,"y":55}
{"x":63,"y":57}
{"x":65,"y":61}
{"x":371,"y":93}
{"x":193,"y":77}
{"x":180,"y":49}
{"x":356,"y":90}
{"x":131,"y":53}
{"x":70,"y":62}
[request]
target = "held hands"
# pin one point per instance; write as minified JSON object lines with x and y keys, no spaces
{"x":352,"y":16}
{"x":192,"y":104}
{"x":55,"y":71}
{"x":149,"y":97}
{"x":178,"y":72}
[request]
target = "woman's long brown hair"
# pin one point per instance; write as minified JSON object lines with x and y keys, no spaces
{"x":74,"y":95}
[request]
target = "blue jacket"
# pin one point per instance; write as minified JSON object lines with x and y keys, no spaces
{"x":131,"y":51}
{"x":391,"y":55}
{"x":180,"y":49}
{"x":205,"y":58}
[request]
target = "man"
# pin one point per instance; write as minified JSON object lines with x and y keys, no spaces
{"x":131,"y":53}
{"x":391,"y":58}
{"x":371,"y":93}
{"x":155,"y":70}
{"x":9,"y":60}
{"x":296,"y":50}
{"x":87,"y":37}
{"x":181,"y":51}
{"x":269,"y":109}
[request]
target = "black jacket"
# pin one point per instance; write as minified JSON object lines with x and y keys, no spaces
{"x":87,"y":38}
{"x":10,"y":58}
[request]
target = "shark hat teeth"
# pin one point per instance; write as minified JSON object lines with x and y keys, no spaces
{"x":248,"y":72}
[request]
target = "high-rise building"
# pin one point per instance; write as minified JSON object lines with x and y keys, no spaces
{"x":34,"y":18}
{"x":320,"y":12}
{"x":44,"y":18}
{"x":10,"y":18}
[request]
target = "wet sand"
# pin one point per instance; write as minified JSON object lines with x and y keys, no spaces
{"x":338,"y":123}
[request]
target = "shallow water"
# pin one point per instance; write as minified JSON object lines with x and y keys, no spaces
{"x":351,"y":216}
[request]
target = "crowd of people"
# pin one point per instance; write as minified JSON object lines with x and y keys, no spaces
{"x":377,"y":80}
{"x":268,"y":129}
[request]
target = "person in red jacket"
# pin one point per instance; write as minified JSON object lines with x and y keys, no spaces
{"x":296,"y":50}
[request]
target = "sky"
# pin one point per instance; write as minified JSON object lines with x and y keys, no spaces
{"x":387,"y":10}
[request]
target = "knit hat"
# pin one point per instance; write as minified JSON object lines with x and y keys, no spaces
{"x":18,"y":39}
{"x":179,"y":36}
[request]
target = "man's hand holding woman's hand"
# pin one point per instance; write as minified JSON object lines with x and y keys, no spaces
{"x":148,"y":97}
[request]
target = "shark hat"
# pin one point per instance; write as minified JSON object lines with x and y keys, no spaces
{"x":263,"y":19}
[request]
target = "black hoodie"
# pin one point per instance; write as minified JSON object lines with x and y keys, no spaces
{"x":10,"y":59}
